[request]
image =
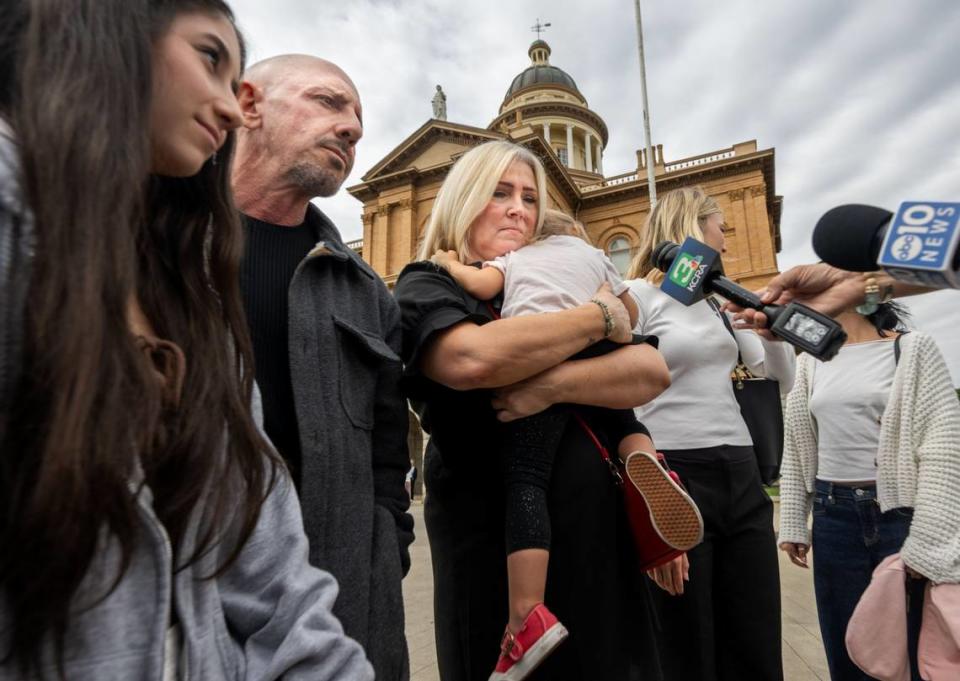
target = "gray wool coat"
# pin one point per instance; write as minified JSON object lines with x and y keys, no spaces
{"x":344,"y":345}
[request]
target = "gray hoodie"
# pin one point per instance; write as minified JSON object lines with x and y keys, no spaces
{"x":269,"y":616}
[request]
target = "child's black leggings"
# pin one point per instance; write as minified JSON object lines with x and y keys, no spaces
{"x":532,"y":444}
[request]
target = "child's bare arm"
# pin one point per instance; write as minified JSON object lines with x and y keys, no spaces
{"x":482,"y":284}
{"x":631,"y":305}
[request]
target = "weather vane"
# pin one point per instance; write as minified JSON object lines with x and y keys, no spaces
{"x":539,"y":27}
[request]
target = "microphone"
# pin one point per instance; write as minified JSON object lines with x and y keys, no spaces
{"x":694,"y":269}
{"x":918,"y":244}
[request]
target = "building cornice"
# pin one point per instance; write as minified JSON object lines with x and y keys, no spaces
{"x":560,"y":109}
{"x":540,"y":86}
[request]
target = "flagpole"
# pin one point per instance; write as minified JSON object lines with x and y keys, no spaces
{"x":651,"y":182}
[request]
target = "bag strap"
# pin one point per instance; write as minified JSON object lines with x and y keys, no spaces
{"x":604,"y":454}
{"x":896,"y":347}
{"x":741,"y":369}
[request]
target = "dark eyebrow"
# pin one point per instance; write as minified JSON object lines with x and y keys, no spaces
{"x":224,"y":55}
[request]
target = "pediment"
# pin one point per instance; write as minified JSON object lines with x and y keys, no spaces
{"x":437,"y":144}
{"x":434,"y":143}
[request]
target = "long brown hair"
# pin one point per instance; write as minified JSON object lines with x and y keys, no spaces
{"x":88,"y":421}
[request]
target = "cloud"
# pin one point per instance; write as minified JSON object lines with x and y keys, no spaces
{"x":860,"y":99}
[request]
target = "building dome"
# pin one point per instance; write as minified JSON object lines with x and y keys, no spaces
{"x":541,"y":75}
{"x":545,"y":100}
{"x":540,"y":72}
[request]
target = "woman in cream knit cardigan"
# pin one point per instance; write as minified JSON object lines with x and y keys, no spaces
{"x":872,"y":449}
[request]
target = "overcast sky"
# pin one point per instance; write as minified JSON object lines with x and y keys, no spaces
{"x":861,"y":100}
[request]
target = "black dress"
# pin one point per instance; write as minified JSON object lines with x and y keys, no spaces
{"x":593,"y":584}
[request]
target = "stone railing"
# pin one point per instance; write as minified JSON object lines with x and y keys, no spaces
{"x":699,"y":160}
{"x":612,"y":181}
{"x":356,"y":244}
{"x":682,"y":164}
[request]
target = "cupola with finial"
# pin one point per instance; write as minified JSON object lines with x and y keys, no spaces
{"x":547,"y":99}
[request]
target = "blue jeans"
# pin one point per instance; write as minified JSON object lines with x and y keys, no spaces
{"x":850,"y":538}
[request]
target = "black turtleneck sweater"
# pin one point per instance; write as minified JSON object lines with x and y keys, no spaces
{"x":271,"y":257}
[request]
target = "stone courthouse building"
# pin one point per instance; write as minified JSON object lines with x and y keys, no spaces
{"x":544,"y":110}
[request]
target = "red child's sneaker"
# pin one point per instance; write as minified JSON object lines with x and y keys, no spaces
{"x":665,"y":520}
{"x":523,"y":652}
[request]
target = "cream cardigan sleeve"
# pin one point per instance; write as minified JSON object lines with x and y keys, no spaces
{"x":926,"y":426}
{"x":799,"y":459}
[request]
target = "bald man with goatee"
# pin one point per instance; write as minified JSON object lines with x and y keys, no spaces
{"x":326,"y":338}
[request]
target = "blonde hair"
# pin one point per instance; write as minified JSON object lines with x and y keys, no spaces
{"x":558,"y":223}
{"x":468,"y":189}
{"x":678,"y":214}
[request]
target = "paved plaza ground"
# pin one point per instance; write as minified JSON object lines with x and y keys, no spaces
{"x":803,"y":658}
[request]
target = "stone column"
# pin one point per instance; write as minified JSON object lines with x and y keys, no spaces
{"x":407,"y":239}
{"x":758,"y":204}
{"x":588,"y":151}
{"x":569,"y":145}
{"x":379,"y":249}
{"x":546,"y":133}
{"x":739,"y":252}
{"x":599,"y":158}
{"x":368,"y":235}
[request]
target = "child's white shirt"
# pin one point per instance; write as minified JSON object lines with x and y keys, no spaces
{"x":557,"y":273}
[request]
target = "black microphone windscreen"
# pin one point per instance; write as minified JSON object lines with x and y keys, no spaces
{"x":663,"y":254}
{"x":849,"y":237}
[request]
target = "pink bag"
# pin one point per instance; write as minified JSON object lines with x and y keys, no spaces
{"x":877,"y":631}
{"x":939,"y":650}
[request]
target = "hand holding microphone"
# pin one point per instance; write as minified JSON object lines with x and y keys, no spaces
{"x":694,"y":270}
{"x":824,"y":288}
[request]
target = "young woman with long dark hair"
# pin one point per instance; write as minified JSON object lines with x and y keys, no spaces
{"x":147,"y":529}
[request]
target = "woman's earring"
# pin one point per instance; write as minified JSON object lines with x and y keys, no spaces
{"x":213,"y":159}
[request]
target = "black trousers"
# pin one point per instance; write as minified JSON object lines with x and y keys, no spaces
{"x":726,"y":625}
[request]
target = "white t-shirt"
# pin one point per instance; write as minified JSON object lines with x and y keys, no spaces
{"x":555,"y":274}
{"x":848,"y":396}
{"x":699,"y":408}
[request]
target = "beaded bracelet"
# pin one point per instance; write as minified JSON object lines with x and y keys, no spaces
{"x":608,"y":324}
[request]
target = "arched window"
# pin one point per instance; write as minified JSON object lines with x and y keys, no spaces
{"x":619,"y":251}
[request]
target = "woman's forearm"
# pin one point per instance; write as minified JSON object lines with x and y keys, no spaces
{"x":623,"y":379}
{"x":468,"y":356}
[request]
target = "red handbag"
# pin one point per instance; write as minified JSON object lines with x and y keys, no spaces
{"x":664,"y":521}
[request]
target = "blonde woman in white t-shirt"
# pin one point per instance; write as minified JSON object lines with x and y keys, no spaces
{"x":719,"y":614}
{"x":873,"y":451}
